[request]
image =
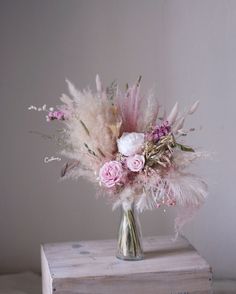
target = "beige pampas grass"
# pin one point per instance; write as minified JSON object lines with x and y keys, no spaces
{"x":150,"y":110}
{"x":92,"y":128}
{"x":194,"y":107}
{"x":173,"y":114}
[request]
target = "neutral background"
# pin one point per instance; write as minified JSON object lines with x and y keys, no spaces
{"x":187,"y":49}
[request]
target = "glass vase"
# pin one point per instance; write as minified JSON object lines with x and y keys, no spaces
{"x":129,"y":235}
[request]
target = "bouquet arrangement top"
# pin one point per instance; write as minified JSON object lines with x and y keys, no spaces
{"x":119,"y":141}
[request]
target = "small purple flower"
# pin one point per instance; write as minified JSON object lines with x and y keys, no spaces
{"x":52,"y":115}
{"x":158,"y":132}
{"x":59,"y":115}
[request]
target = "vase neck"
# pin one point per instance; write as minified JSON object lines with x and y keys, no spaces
{"x":127,"y":205}
{"x":129,"y":238}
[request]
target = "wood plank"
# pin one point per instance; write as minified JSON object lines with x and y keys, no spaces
{"x":152,"y":283}
{"x":46,"y":275}
{"x":91,"y":267}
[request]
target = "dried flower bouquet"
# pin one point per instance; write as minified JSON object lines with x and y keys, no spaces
{"x":119,"y":141}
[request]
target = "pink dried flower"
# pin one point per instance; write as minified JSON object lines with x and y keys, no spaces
{"x":58,"y":115}
{"x":52,"y":115}
{"x":159,"y":132}
{"x":111,"y":173}
{"x":135,"y":163}
{"x":170,"y":202}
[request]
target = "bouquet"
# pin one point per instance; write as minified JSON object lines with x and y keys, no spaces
{"x":120,"y":141}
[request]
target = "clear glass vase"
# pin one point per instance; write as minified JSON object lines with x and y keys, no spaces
{"x":129,"y":236}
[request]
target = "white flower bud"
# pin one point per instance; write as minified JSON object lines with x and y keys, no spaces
{"x":130,"y":143}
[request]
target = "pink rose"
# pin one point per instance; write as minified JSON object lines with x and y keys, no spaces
{"x":111,"y":173}
{"x":135,"y":163}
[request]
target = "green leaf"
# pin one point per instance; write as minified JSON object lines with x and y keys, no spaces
{"x":85,"y":128}
{"x":185,"y":148}
{"x":89,"y":150}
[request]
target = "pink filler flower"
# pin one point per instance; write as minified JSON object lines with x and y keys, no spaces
{"x":135,"y":163}
{"x":111,"y":173}
{"x":53,"y":115}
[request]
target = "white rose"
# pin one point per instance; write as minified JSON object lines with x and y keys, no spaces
{"x":130,"y":143}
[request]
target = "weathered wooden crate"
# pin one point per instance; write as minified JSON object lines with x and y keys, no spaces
{"x":90,"y":267}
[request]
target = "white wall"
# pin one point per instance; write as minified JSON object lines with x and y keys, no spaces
{"x":186,"y":48}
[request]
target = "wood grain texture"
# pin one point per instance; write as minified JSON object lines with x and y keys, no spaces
{"x":46,"y":275}
{"x":91,"y":267}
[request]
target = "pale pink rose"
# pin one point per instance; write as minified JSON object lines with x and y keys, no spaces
{"x":111,"y":173}
{"x":135,"y":163}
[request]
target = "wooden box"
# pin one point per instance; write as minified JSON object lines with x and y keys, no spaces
{"x":89,"y":267}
